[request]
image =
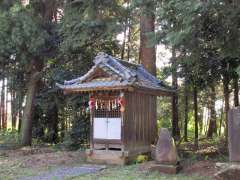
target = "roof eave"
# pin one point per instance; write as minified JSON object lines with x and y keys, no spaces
{"x":87,"y":90}
{"x":130,"y":88}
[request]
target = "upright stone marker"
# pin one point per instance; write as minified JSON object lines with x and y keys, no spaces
{"x":231,"y":170}
{"x":166,"y":159}
{"x":166,"y":152}
{"x":234,"y":134}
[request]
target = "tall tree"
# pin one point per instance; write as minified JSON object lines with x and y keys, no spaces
{"x":46,"y":11}
{"x":212,"y":129}
{"x":3,"y":103}
{"x":22,"y":38}
{"x":175,"y":123}
{"x":147,"y":30}
{"x":226,"y":101}
{"x":32,"y":89}
{"x":186,"y":109}
{"x":236,"y":90}
{"x":147,"y":53}
{"x":195,"y":104}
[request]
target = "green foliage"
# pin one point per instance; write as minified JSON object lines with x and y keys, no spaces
{"x":8,"y":139}
{"x":80,"y":120}
{"x":22,"y":36}
{"x":86,"y":28}
{"x":141,"y":158}
{"x":67,"y":48}
{"x":91,"y":25}
{"x":203,"y":33}
{"x":164,"y":112}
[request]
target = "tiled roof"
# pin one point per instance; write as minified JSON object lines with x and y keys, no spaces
{"x":95,"y":84}
{"x":126,"y":74}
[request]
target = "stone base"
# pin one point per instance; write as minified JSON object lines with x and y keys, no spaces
{"x":164,"y":168}
{"x":228,"y":171}
{"x":106,"y":157}
{"x":113,"y":157}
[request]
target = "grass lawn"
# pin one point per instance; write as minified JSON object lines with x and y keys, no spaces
{"x":132,"y":172}
{"x":34,"y":164}
{"x":12,"y":169}
{"x":20,"y":162}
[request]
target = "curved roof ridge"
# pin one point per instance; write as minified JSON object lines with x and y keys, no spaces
{"x":150,"y":76}
{"x":80,"y":79}
{"x":127,"y":73}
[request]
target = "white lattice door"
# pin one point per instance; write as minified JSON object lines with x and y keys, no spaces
{"x":107,"y":128}
{"x":114,"y":128}
{"x":100,"y":128}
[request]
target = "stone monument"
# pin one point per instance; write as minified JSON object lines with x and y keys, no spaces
{"x":166,"y":158}
{"x":234,"y":134}
{"x":165,"y":152}
{"x":231,"y":170}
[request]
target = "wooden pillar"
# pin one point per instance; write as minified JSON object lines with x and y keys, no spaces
{"x":91,"y":126}
{"x":122,"y":124}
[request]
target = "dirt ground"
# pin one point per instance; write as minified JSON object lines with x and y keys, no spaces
{"x":201,"y":168}
{"x":36,"y":160}
{"x":42,"y":157}
{"x":33,"y":161}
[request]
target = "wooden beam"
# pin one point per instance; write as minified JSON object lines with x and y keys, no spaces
{"x":107,"y":141}
{"x":154,"y":92}
{"x":88,"y":90}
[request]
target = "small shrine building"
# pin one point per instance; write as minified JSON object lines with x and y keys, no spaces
{"x":122,"y":96}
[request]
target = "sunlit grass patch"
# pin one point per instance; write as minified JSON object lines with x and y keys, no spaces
{"x":132,"y":172}
{"x":9,"y":138}
{"x":12,"y":169}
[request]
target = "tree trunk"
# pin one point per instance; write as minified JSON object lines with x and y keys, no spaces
{"x":35,"y":67}
{"x":47,"y":9}
{"x":213,"y":119}
{"x":3,"y":103}
{"x":129,"y":40}
{"x":221,"y":119}
{"x":47,"y":12}
{"x":124,"y":40}
{"x":175,"y":122}
{"x":236,"y":91}
{"x":147,"y":54}
{"x":20,"y":117}
{"x":226,"y":100}
{"x":29,"y":109}
{"x":53,"y":118}
{"x":195,"y":104}
{"x":1,"y":125}
{"x":6,"y":107}
{"x":63,"y":128}
{"x":55,"y":123}
{"x":20,"y":98}
{"x":186,"y":93}
{"x":14,"y":109}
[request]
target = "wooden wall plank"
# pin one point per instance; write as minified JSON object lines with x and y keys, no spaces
{"x":140,"y":120}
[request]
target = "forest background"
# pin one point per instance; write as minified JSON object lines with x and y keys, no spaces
{"x":44,"y":42}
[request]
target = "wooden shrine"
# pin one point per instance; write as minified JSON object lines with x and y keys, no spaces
{"x":121,"y":100}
